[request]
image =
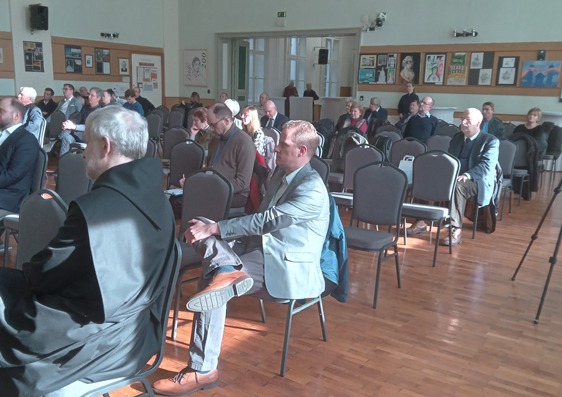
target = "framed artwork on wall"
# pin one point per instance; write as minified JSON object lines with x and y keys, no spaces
{"x":89,"y":61}
{"x":73,"y":59}
{"x":102,"y":61}
{"x":410,"y":67}
{"x":507,"y":70}
{"x":195,"y":64}
{"x":368,"y":61}
{"x":123,"y":66}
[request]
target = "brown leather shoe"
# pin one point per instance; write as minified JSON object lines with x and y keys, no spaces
{"x":222,"y":288}
{"x":186,"y":382}
{"x":456,"y":237}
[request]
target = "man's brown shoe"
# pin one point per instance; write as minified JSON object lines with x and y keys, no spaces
{"x":222,"y":288}
{"x":415,"y":229}
{"x":457,"y":237}
{"x":186,"y":382}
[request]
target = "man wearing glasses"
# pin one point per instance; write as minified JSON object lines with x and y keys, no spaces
{"x":231,"y":152}
{"x":424,"y":124}
{"x":69,"y":104}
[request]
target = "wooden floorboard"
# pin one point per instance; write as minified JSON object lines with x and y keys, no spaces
{"x":462,"y":329}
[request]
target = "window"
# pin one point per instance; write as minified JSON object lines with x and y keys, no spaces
{"x":297,"y":62}
{"x":331,"y":71}
{"x":256,"y":73}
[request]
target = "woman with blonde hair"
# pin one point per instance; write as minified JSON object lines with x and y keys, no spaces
{"x":535,"y":129}
{"x":251,"y":124}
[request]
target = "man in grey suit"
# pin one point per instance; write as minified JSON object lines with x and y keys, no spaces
{"x":69,"y":104}
{"x":478,"y":153}
{"x":279,"y":255}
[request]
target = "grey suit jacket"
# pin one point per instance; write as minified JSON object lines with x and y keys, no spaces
{"x":74,"y":106}
{"x":481,"y":163}
{"x":293,"y":232}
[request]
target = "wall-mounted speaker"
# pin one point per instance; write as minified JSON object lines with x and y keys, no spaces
{"x":39,"y":17}
{"x":323,"y":56}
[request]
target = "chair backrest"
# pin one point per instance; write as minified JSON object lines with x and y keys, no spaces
{"x":521,"y":155}
{"x":162,"y":306}
{"x":321,"y":141}
{"x":435,"y":176}
{"x":554,"y":147}
{"x":393,"y":134}
{"x":388,"y":127}
{"x":357,"y":158}
{"x":75,"y":117}
{"x":378,"y":194}
{"x":165,"y":113}
{"x":506,"y":158}
{"x":55,"y":125}
{"x":449,"y":130}
{"x":39,"y":173}
{"x":509,"y":127}
{"x":205,"y":193}
{"x":273,"y":133}
{"x":172,"y":137}
{"x":439,"y":142}
{"x":407,"y":146}
{"x":42,"y":129}
{"x":72,"y":180}
{"x":321,"y":166}
{"x":186,"y":158}
{"x":41,"y":215}
{"x":154,"y":121}
{"x":150,"y":148}
{"x":175,"y":119}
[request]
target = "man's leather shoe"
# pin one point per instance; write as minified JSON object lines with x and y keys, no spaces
{"x":415,"y":229}
{"x":186,"y":382}
{"x":456,"y":237}
{"x":220,"y":290}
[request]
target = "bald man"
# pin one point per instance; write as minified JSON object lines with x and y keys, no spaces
{"x":272,"y":118}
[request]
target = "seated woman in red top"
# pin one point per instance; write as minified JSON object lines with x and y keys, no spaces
{"x":356,"y":120}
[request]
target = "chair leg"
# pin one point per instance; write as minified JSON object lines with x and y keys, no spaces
{"x":510,"y":198}
{"x":475,"y":224}
{"x":288,"y":324}
{"x":504,"y":191}
{"x":6,"y":245}
{"x":322,"y":319}
{"x":437,"y":243}
{"x":397,"y":262}
{"x":377,"y":279}
{"x":176,"y":309}
{"x":405,"y":232}
{"x":262,"y":308}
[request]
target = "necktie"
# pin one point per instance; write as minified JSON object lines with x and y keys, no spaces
{"x":280,"y":191}
{"x":269,"y":123}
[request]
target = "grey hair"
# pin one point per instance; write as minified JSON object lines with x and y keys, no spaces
{"x":29,"y":92}
{"x":98,"y":91}
{"x":126,"y":130}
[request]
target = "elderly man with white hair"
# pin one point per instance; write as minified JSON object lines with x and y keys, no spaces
{"x":33,"y":118}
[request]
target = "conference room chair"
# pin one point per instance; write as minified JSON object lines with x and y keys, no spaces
{"x":449,"y":130}
{"x":438,"y":142}
{"x":321,"y":166}
{"x":406,"y":147}
{"x":378,"y":194}
{"x":186,"y":158}
{"x":72,"y":181}
{"x":55,"y":125}
{"x":173,"y":136}
{"x":155,"y":125}
{"x":150,"y":148}
{"x":506,"y":158}
{"x":434,"y":180}
{"x":176,"y":118}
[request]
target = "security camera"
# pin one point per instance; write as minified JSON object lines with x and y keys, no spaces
{"x":381,"y":17}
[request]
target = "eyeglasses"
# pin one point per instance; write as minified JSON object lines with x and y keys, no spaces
{"x":213,"y":125}
{"x":66,"y":89}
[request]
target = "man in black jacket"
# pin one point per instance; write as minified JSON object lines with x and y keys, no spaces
{"x":85,"y":308}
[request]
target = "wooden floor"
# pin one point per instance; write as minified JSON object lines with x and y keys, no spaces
{"x":460,"y":329}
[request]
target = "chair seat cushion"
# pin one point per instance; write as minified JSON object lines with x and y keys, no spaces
{"x":12,"y":222}
{"x":517,"y":172}
{"x":368,"y":240}
{"x":424,"y":211}
{"x":335,"y":177}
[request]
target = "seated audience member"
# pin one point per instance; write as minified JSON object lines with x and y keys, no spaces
{"x":108,"y":98}
{"x":32,"y":119}
{"x":69,"y":104}
{"x":231,"y":152}
{"x":223,"y":96}
{"x":407,"y":99}
{"x":47,"y":105}
{"x":478,"y":153}
{"x":18,"y":154}
{"x":74,"y":132}
{"x":293,"y":217}
{"x":84,"y":93}
{"x":194,"y":102}
{"x":132,"y":103}
{"x":534,"y":129}
{"x":347,"y":115}
{"x":491,"y":124}
{"x":80,"y":98}
{"x":147,"y":106}
{"x":309,"y":92}
{"x":234,"y":107}
{"x":424,"y":124}
{"x":251,"y":125}
{"x":272,"y":118}
{"x":264,"y":97}
{"x":86,"y":326}
{"x":412,"y":111}
{"x":288,"y":92}
{"x":356,"y":120}
{"x":200,"y":131}
{"x":375,"y":111}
